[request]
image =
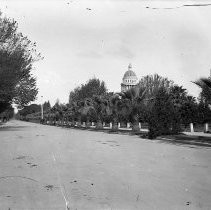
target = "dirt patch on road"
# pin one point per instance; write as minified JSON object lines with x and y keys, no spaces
{"x":20,"y":157}
{"x":49,"y":187}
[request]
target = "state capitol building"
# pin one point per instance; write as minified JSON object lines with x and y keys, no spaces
{"x":129,"y":79}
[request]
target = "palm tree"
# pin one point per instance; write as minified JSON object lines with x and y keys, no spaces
{"x":95,"y":108}
{"x":76,"y":109}
{"x":86,"y":110}
{"x":205,"y":96}
{"x":100,"y":109}
{"x":206,"y":81}
{"x":115,"y":106}
{"x":205,"y":85}
{"x":132,"y":103}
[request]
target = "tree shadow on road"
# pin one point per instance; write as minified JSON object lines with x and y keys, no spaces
{"x":12,"y":128}
{"x":187,"y":140}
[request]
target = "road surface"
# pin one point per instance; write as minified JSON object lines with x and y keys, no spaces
{"x":44,"y":167}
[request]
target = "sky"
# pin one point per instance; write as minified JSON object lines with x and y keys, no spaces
{"x":82,"y":39}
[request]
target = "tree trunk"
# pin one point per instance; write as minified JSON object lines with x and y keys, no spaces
{"x":50,"y":121}
{"x":115,"y":124}
{"x":72,"y":124}
{"x":135,"y":126}
{"x":62,"y":122}
{"x":99,"y":124}
{"x":88,"y":123}
{"x":79,"y":122}
{"x":176,"y":128}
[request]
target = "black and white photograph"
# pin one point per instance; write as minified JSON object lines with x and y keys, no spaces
{"x":105,"y":105}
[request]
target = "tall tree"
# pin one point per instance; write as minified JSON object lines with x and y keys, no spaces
{"x":101,"y":109}
{"x":17,"y":55}
{"x":153,"y":83}
{"x":161,"y":114}
{"x":94,"y":87}
{"x":115,"y":105}
{"x":46,"y":106}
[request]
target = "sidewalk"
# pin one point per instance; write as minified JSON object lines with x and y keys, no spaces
{"x":198,"y":134}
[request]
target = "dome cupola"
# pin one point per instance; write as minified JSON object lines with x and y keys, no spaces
{"x":129,"y":79}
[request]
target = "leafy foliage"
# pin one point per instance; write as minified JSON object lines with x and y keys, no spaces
{"x":46,"y":106}
{"x":185,"y":105}
{"x":91,"y":88}
{"x":132,"y":102}
{"x":160,"y":115}
{"x":7,"y":113}
{"x":169,"y":110}
{"x":203,"y":112}
{"x":153,"y":83}
{"x":33,"y":108}
{"x":17,"y":54}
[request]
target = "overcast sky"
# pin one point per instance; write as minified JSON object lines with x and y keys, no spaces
{"x":83,"y":39}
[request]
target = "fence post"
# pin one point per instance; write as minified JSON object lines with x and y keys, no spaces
{"x":139,"y":125}
{"x":119,"y":125}
{"x":191,"y":127}
{"x":206,"y":127}
{"x":110,"y":125}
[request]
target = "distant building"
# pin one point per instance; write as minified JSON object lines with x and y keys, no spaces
{"x":129,"y":79}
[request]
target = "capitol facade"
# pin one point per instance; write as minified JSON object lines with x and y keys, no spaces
{"x":129,"y":79}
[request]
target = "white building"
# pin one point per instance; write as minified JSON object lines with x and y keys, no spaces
{"x":129,"y":79}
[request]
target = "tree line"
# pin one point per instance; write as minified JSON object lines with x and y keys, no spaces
{"x":156,"y":100}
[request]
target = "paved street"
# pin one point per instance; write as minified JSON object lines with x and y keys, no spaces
{"x":44,"y":167}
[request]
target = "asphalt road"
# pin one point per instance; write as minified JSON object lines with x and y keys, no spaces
{"x":44,"y":167}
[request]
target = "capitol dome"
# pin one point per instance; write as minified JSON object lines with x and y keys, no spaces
{"x":128,"y":74}
{"x":129,"y":79}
